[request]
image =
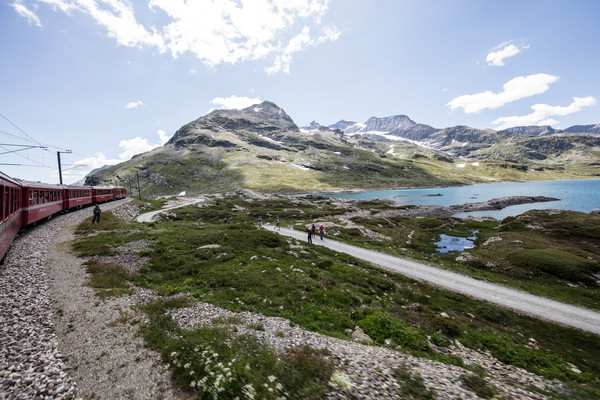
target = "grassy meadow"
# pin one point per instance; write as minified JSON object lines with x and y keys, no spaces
{"x":241,"y":268}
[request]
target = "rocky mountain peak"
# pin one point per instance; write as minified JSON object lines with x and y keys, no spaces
{"x":385,"y":124}
{"x":531,"y":130}
{"x":341,"y":124}
{"x":312,"y":126}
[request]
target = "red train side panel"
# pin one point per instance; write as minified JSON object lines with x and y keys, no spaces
{"x":77,"y":196}
{"x":119,"y":192}
{"x":40,"y":200}
{"x":10,"y":212}
{"x":100,"y":194}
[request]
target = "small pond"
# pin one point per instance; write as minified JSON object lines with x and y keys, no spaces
{"x":449,"y":243}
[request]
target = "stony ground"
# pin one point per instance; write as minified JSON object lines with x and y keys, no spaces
{"x":60,"y":341}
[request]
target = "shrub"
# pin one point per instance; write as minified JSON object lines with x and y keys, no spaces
{"x":493,"y":314}
{"x":478,"y":385}
{"x":412,"y":387}
{"x":559,"y":263}
{"x":380,"y":326}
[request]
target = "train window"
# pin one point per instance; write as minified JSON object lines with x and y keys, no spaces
{"x":6,"y":196}
{"x":46,"y":196}
{"x":16,"y":199}
{"x":10,"y":201}
{"x":1,"y":203}
{"x":35,"y":197}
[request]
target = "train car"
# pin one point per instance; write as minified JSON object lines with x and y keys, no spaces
{"x":40,"y":200}
{"x":119,"y":192}
{"x":101,"y":194}
{"x":77,"y":196}
{"x":10,"y":212}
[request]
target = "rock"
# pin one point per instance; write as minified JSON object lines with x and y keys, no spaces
{"x":466,"y":257}
{"x":444,"y":315}
{"x":574,"y":368}
{"x":360,"y":336}
{"x":595,"y":211}
{"x":209,"y":246}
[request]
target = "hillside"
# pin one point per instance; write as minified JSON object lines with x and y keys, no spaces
{"x":261,"y":148}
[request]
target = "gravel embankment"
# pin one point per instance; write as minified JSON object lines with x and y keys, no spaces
{"x":60,"y":341}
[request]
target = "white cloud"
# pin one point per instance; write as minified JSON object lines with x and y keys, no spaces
{"x":298,"y":43}
{"x":515,"y":89}
{"x":164,"y":137}
{"x":134,"y":104}
{"x":496,"y":58}
{"x":29,"y":15}
{"x":234,"y":102}
{"x":215,"y":31}
{"x":542,"y":113}
{"x":130,"y":148}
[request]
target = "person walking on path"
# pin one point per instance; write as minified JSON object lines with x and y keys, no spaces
{"x":313,"y":229}
{"x":308,"y":230}
{"x":321,"y":231}
{"x":277,"y":226}
{"x":260,"y":221}
{"x":97,"y":212}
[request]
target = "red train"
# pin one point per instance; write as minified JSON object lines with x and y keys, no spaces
{"x":23,"y":203}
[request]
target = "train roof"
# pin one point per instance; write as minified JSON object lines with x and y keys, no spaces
{"x":39,"y":185}
{"x":5,"y":177}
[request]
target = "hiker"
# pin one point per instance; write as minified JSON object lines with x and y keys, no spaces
{"x":225,"y":220}
{"x":277,"y":224}
{"x":230,"y":220}
{"x":309,"y":235}
{"x":313,"y":229}
{"x":321,"y":231}
{"x":260,"y":221}
{"x":97,"y":212}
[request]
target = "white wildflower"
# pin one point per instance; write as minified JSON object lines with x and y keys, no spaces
{"x":272,"y":378}
{"x":249,"y":391}
{"x":341,"y":381}
{"x":187,"y":365}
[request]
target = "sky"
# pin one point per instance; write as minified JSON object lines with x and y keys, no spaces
{"x":102,"y":80}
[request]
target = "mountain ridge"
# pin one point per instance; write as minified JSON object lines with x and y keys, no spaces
{"x":260,"y":147}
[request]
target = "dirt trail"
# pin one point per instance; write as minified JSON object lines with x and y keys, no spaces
{"x":100,"y":339}
{"x":523,"y":302}
{"x":147,"y":217}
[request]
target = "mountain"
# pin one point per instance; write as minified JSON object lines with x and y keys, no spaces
{"x":261,"y":148}
{"x":532,"y":130}
{"x":595,"y":129}
{"x":314,"y":125}
{"x":341,"y":124}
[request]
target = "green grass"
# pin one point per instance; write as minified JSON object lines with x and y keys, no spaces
{"x":412,"y":387}
{"x":327,"y":292}
{"x":109,"y":280}
{"x":215,"y":363}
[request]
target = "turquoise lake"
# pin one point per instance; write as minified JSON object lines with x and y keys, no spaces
{"x":576,"y":195}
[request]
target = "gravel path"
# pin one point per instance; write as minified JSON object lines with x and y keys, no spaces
{"x":517,"y":300}
{"x":147,"y":217}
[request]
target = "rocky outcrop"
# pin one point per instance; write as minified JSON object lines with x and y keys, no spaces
{"x":443,"y":211}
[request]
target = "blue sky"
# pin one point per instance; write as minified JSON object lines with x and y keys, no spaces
{"x":111,"y":78}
